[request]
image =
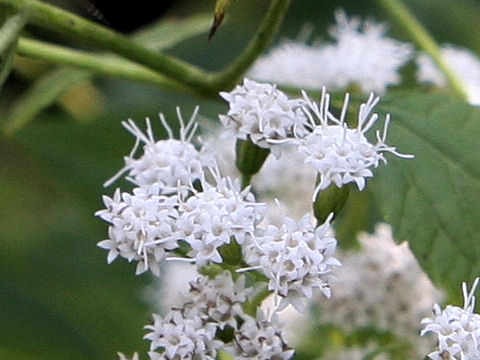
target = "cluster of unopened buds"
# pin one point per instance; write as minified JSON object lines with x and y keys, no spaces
{"x":183,"y":209}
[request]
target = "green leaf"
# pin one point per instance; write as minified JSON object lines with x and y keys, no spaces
{"x":6,"y":63}
{"x":41,"y":94}
{"x":168,"y":33}
{"x":46,"y":90}
{"x":8,"y":44}
{"x":59,"y":299}
{"x":10,"y":30}
{"x":432,"y":201}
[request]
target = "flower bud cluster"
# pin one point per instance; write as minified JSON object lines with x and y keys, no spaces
{"x":142,"y":227}
{"x":296,"y":258}
{"x":262,"y":114}
{"x":214,"y":306}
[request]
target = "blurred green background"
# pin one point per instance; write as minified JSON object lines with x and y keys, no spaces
{"x":58,"y":298}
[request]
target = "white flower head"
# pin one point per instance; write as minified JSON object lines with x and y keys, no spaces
{"x":361,"y":54}
{"x":381,"y":285}
{"x":218,"y":300}
{"x":463,"y":61}
{"x":178,"y":337}
{"x":142,"y":227}
{"x":260,"y":339}
{"x":340,"y":154}
{"x":457,"y":329}
{"x":293,"y":63}
{"x":297,"y":258}
{"x":263,"y":114}
{"x":214,"y":216}
{"x":364,"y":56}
{"x":170,"y":164}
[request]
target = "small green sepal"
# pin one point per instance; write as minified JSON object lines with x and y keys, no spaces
{"x":332,"y":199}
{"x":249,"y":158}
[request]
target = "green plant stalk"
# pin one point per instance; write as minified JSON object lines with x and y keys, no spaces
{"x":424,"y":41}
{"x":6,"y":63}
{"x":266,"y":33}
{"x":9,"y":32}
{"x":51,"y":85}
{"x":10,"y":29}
{"x":96,"y":64}
{"x":97,"y":36}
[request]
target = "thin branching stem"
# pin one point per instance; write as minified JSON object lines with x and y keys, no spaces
{"x":178,"y":71}
{"x":266,"y":33}
{"x":94,"y":63}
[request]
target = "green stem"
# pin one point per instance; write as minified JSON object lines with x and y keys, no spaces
{"x":228,"y":77}
{"x":10,"y":30}
{"x":180,"y":72}
{"x":93,"y":63}
{"x":424,"y":41}
{"x":97,"y":36}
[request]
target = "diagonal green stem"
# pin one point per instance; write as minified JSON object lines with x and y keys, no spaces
{"x":96,"y":64}
{"x":9,"y":33}
{"x":192,"y":77}
{"x":259,"y":43}
{"x":424,"y":41}
{"x":88,"y":32}
{"x":10,"y":30}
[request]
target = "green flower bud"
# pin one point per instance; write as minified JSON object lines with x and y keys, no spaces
{"x":332,"y":199}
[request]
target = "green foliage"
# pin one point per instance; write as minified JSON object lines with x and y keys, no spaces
{"x":433,"y":200}
{"x":50,"y":86}
{"x":330,"y":200}
{"x":59,"y":300}
{"x":9,"y":33}
{"x":43,"y":93}
{"x":249,"y":159}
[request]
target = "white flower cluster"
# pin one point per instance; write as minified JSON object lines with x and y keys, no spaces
{"x":212,"y":306}
{"x":297,"y":259}
{"x":339,"y":154}
{"x":381,"y":285}
{"x":168,"y":164}
{"x":143,"y":227}
{"x":182,"y":208}
{"x":260,"y":339}
{"x":151,"y":223}
{"x":342,"y":155}
{"x":462,"y":61}
{"x":361,"y":55}
{"x":457,"y":329}
{"x":212,"y":217}
{"x":261,"y":113}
